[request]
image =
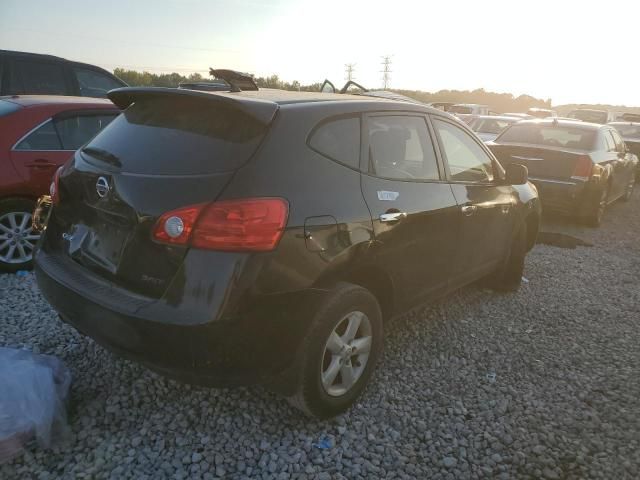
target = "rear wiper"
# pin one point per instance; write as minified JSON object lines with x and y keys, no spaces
{"x":103,"y":155}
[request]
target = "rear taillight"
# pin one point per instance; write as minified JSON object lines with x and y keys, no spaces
{"x":250,"y":224}
{"x":54,"y":188}
{"x":582,"y":168}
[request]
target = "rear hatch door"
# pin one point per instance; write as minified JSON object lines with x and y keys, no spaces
{"x":165,"y":151}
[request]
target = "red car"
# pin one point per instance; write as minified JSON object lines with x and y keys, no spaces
{"x":37,"y":135}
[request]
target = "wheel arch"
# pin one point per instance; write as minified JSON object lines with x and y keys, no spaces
{"x":374,"y":279}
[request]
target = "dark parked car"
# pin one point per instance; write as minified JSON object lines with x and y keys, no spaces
{"x":630,"y":133}
{"x":23,"y":73}
{"x":263,"y":237}
{"x":578,"y":167}
{"x":39,"y":133}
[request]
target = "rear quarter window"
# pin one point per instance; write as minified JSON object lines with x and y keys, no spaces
{"x":339,"y":140}
{"x":174,"y":136}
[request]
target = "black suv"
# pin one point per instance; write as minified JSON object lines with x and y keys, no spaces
{"x":249,"y":237}
{"x":24,"y":73}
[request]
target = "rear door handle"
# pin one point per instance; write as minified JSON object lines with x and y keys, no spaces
{"x":468,"y":210}
{"x":392,"y":217}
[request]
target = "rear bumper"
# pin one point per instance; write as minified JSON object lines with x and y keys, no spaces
{"x":252,"y":348}
{"x":564,"y":196}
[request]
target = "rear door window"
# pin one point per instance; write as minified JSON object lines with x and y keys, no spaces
{"x":179,"y":136}
{"x":77,"y":130}
{"x":338,"y":140}
{"x":33,"y":77}
{"x":468,"y":162}
{"x":93,"y":83}
{"x":44,"y":137}
{"x":400,"y":148}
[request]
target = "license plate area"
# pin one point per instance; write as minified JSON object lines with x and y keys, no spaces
{"x":103,"y":245}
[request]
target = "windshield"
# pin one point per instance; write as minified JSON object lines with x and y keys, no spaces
{"x":551,"y":136}
{"x":490,"y":125}
{"x":593,"y":116}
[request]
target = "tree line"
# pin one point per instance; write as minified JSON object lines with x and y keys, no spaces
{"x":499,"y":102}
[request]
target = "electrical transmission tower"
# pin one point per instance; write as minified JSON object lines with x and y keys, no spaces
{"x":386,"y":71}
{"x":349,"y":68}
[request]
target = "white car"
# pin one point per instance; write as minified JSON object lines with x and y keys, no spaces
{"x":488,"y":127}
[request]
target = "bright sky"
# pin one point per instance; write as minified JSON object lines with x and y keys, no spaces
{"x":569,"y":51}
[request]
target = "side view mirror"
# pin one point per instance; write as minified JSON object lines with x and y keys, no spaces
{"x":516,"y":174}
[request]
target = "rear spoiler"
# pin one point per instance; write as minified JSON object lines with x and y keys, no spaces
{"x":261,"y":110}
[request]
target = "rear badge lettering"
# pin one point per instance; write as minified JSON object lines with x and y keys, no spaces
{"x":387,"y":196}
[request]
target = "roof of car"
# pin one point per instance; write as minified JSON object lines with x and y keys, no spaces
{"x":285,"y":97}
{"x":33,"y":100}
{"x":499,"y":117}
{"x":562,"y":123}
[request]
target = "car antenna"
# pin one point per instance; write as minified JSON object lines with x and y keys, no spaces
{"x":238,"y":81}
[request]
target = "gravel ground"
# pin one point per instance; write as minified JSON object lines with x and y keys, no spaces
{"x":542,"y":383}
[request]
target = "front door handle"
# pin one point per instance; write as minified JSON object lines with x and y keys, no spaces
{"x":468,"y":210}
{"x":392,"y":217}
{"x":41,"y":163}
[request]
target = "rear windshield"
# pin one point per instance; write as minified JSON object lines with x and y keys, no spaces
{"x":171,"y":136}
{"x":7,"y":108}
{"x":490,"y":125}
{"x":589,"y":116}
{"x":630,"y":131}
{"x":551,"y":136}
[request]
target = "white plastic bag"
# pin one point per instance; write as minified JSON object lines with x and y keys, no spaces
{"x":33,"y":391}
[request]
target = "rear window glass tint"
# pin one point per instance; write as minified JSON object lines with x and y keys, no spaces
{"x":172,"y":136}
{"x":44,"y":137}
{"x":77,"y":130}
{"x":338,"y":140}
{"x":547,"y":135}
{"x":7,"y":108}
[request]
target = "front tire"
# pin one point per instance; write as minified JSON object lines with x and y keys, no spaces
{"x":17,"y":240}
{"x":509,"y":276}
{"x":340,"y":352}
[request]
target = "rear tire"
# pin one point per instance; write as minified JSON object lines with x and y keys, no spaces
{"x":509,"y":276}
{"x":321,"y":392}
{"x":597,"y":206}
{"x":17,"y":241}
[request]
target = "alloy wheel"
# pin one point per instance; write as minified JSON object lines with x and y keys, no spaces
{"x":17,"y":239}
{"x":346,"y":353}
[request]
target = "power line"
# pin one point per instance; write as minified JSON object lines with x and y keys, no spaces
{"x":349,"y":69}
{"x":386,"y":71}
